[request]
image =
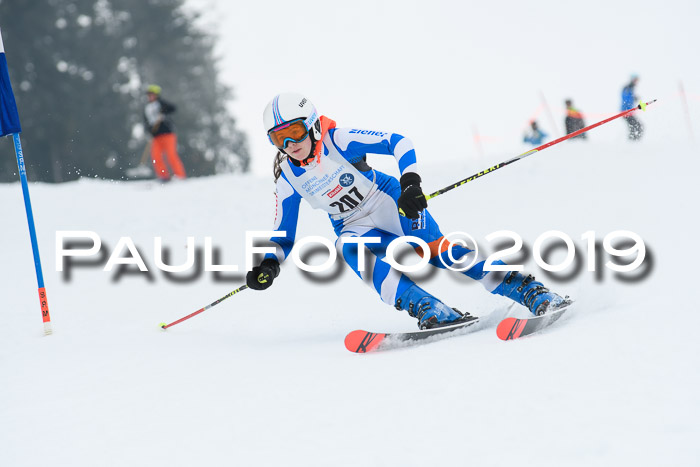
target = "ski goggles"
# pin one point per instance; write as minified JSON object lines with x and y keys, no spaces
{"x":293,"y":131}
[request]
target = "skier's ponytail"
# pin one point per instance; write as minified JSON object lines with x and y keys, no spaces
{"x":276,"y":165}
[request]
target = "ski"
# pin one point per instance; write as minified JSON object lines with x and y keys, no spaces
{"x":514,"y":328}
{"x":364,"y":341}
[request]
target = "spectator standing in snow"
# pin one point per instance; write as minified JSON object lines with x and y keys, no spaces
{"x":535,"y":136}
{"x":629,"y":100}
{"x":574,"y":120}
{"x":161,"y":128}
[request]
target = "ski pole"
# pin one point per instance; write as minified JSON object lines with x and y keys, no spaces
{"x":166,"y":326}
{"x":642,"y":106}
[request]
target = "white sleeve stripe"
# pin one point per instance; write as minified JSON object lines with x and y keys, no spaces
{"x":402,"y":148}
{"x":411,"y":168}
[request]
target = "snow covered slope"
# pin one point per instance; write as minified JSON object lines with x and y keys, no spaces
{"x":264,"y":378}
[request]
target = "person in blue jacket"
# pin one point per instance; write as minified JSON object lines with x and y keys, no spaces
{"x":327,"y":166}
{"x":535,"y":136}
{"x":630,"y":100}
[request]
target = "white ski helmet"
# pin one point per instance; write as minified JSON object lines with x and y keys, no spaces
{"x":291,"y":106}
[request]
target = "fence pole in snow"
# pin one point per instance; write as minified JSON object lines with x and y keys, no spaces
{"x":549,"y":115}
{"x":686,"y":110}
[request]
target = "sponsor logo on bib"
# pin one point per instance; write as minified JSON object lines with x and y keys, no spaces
{"x":334,"y":191}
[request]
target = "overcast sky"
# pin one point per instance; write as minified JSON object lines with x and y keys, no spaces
{"x":435,"y":70}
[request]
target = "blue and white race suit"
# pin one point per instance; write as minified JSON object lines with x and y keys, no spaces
{"x":362,"y":202}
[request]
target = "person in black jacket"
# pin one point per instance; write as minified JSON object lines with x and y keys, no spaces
{"x":164,"y":140}
{"x":573,"y":120}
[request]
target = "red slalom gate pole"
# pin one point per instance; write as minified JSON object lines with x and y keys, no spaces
{"x":549,"y":114}
{"x":641,"y":106}
{"x":686,"y":111}
{"x":230,"y":294}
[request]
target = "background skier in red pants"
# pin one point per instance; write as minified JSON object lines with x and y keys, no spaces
{"x":164,"y":140}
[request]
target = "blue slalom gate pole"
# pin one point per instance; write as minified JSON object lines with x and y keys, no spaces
{"x":9,"y":125}
{"x":32,"y":233}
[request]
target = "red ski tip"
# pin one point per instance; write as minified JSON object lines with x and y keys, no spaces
{"x":510,"y":328}
{"x":363,"y":341}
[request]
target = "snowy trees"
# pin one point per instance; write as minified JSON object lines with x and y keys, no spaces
{"x":79,"y":69}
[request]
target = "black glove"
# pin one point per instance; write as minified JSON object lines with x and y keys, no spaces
{"x":412,"y":199}
{"x":261,"y":277}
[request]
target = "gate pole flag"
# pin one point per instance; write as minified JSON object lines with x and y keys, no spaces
{"x":9,"y":125}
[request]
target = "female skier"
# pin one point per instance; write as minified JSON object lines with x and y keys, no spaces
{"x":327,"y":167}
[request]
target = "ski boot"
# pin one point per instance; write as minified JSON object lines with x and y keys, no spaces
{"x":531,"y":293}
{"x":430,"y":312}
